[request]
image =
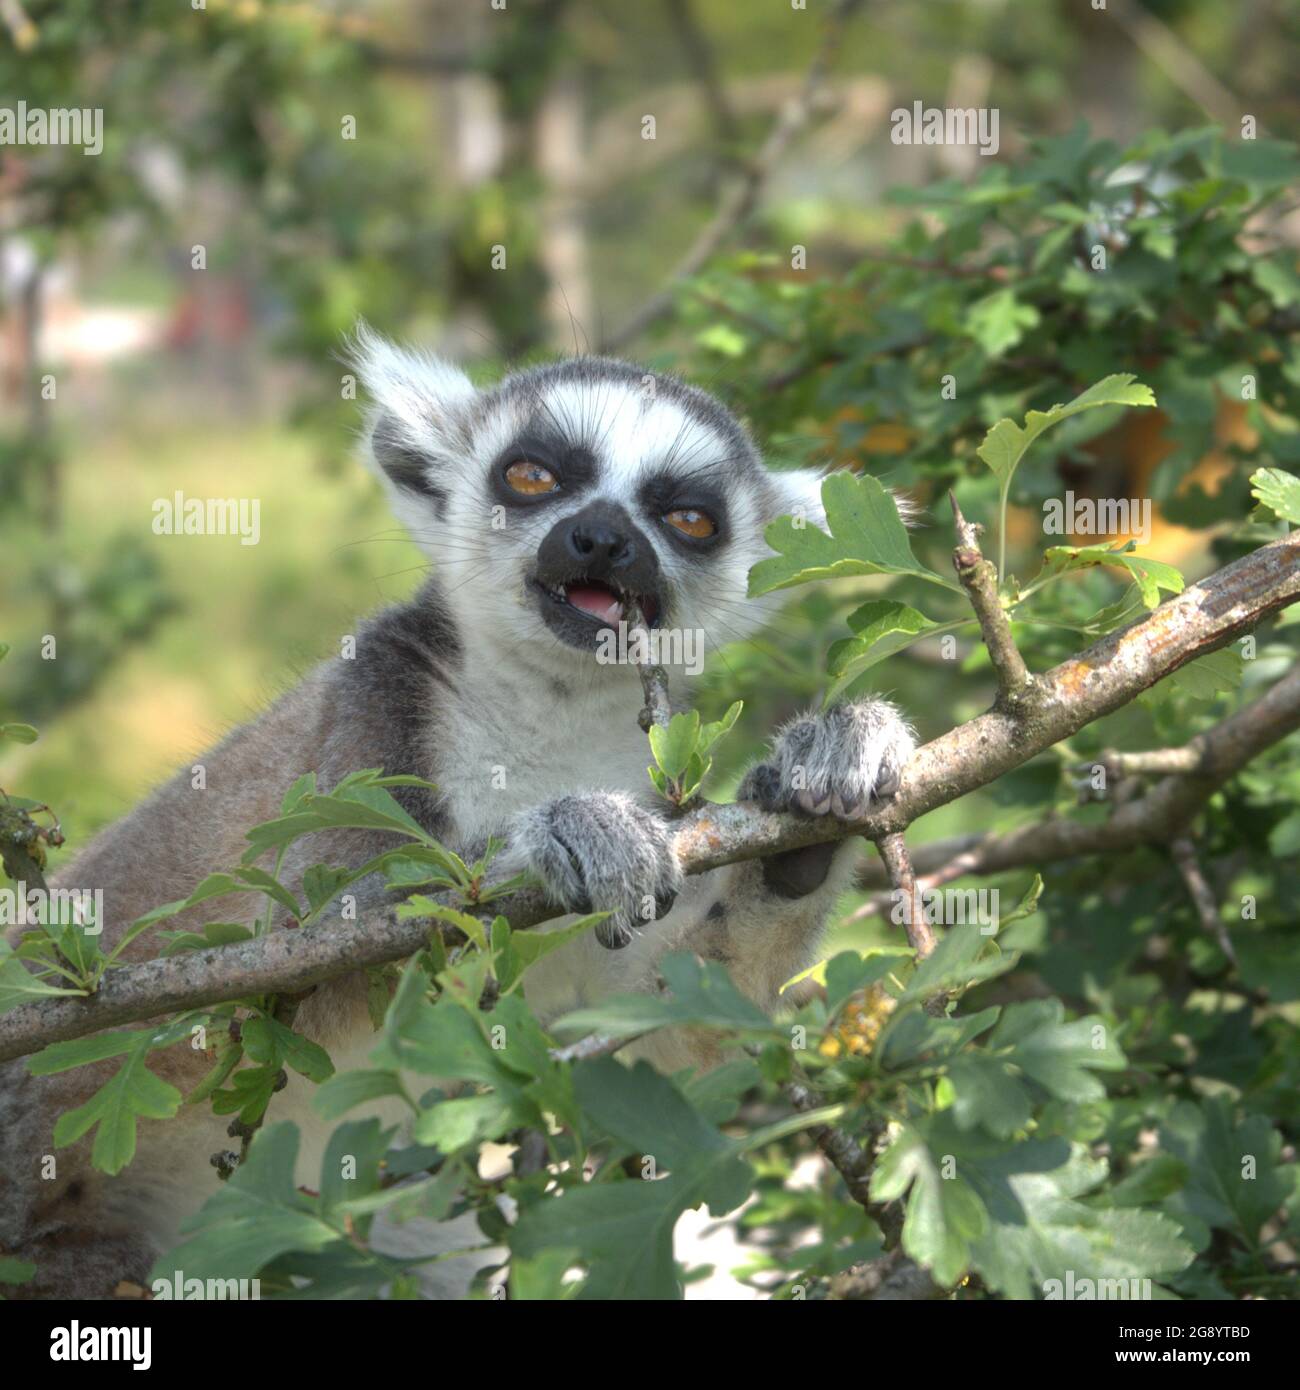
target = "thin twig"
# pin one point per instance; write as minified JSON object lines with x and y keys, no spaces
{"x":654,"y":679}
{"x":1183,"y":852}
{"x":21,"y":29}
{"x":593,"y":1045}
{"x":898,"y":865}
{"x":979,"y":578}
{"x":1159,"y":42}
{"x":740,"y":198}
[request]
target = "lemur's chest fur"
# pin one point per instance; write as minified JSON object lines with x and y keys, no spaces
{"x":508,"y":737}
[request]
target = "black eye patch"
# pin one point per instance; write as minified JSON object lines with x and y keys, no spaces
{"x":665,"y":493}
{"x":573,"y":467}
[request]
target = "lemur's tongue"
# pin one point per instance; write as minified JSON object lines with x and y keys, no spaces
{"x":596,"y":600}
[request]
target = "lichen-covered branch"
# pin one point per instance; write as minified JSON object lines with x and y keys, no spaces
{"x":1158,"y":817}
{"x":1109,"y":674}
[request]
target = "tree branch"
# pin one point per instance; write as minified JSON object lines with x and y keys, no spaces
{"x":1159,"y":817}
{"x":1109,"y":674}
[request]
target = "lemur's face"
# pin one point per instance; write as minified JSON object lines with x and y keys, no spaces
{"x":556,"y":502}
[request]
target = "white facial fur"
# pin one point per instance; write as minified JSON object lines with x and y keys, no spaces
{"x":635,"y":426}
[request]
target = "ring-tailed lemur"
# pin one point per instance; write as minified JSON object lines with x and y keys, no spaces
{"x":546,"y":504}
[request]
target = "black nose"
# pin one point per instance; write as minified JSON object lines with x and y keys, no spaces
{"x":596,"y":542}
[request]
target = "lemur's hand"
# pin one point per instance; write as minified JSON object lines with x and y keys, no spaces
{"x":601,"y":852}
{"x":834,"y":763}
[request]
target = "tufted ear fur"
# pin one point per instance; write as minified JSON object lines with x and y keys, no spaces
{"x":416,"y":423}
{"x":801,"y":496}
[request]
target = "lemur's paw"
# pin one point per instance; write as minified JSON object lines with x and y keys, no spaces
{"x":837,"y":762}
{"x":601,"y":852}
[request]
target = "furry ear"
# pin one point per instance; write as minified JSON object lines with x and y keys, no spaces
{"x":801,"y":494}
{"x":416,"y":424}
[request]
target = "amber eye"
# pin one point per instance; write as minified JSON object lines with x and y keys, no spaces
{"x":531,"y":478}
{"x":690,"y":522}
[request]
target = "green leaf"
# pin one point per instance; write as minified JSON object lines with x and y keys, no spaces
{"x":305,"y":786}
{"x":998,"y":321}
{"x":1005,"y":444}
{"x":1284,"y":838}
{"x":963,"y":955}
{"x":532,"y":946}
{"x":1202,"y":679}
{"x":944,"y":1215}
{"x":469,"y":1120}
{"x":269,"y":1042}
{"x":1151,"y":1180}
{"x":254,"y":1217}
{"x":848,"y":972}
{"x":346,"y":1090}
{"x":322,"y":883}
{"x":20,"y":733}
{"x":622,"y":1232}
{"x":1278,"y":491}
{"x":1060,"y":1056}
{"x":1027,"y":905}
{"x":711,"y":733}
{"x":15,"y":1271}
{"x":1151,"y":576}
{"x":350,"y":1170}
{"x":1237,"y":1180}
{"x":882,"y":627}
{"x":912,"y":1035}
{"x":132,"y":1093}
{"x":672,"y":746}
{"x":418,"y":905}
{"x":214,"y":886}
{"x":213,"y":934}
{"x":867,"y":536}
{"x":359,"y":802}
{"x":272,"y":887}
{"x":19,"y":986}
{"x":700,"y":994}
{"x":1038,"y":1231}
{"x":988,"y":1092}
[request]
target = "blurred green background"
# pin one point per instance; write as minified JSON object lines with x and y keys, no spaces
{"x":331,"y":161}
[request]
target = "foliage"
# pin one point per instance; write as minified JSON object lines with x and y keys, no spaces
{"x":1105,"y":1094}
{"x":1014,"y":293}
{"x":990,"y":1114}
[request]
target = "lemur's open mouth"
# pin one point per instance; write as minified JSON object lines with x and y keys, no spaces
{"x":600,"y":600}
